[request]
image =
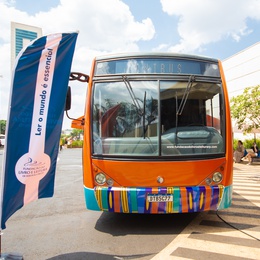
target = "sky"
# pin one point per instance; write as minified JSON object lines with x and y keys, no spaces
{"x":214,"y":28}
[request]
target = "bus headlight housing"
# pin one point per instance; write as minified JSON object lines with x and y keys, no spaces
{"x":100,"y":178}
{"x":217,"y":177}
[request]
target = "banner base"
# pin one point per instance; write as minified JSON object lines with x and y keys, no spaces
{"x":11,"y":256}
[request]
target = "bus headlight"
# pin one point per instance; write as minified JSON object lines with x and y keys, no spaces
{"x":100,"y":178}
{"x":110,"y":182}
{"x":217,"y":177}
{"x":208,"y":181}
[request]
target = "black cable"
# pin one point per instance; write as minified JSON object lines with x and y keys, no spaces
{"x":236,"y":227}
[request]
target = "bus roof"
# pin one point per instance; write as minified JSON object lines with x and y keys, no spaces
{"x":128,"y":55}
{"x":156,"y":63}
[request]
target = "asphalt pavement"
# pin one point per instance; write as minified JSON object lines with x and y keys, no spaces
{"x":61,"y":228}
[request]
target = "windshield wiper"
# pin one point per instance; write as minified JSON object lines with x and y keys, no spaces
{"x":183,"y":103}
{"x":132,"y":95}
{"x":140,"y":111}
{"x":185,"y":95}
{"x":144,"y":130}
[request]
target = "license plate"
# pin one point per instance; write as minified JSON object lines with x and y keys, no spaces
{"x":159,"y":197}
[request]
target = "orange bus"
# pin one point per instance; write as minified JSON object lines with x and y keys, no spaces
{"x":157,"y":134}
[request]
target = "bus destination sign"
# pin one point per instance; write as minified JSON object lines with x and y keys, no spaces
{"x":156,"y":66}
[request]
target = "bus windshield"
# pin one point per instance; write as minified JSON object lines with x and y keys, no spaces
{"x":147,"y":117}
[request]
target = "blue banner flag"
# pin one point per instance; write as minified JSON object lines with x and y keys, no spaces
{"x":38,"y":93}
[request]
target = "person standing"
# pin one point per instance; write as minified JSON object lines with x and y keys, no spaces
{"x":61,"y":143}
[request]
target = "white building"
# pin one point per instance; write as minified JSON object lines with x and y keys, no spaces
{"x":21,"y":35}
{"x":242,"y":70}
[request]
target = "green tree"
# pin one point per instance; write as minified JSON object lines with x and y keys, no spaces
{"x":75,"y":134}
{"x":245,"y":109}
{"x":2,"y":126}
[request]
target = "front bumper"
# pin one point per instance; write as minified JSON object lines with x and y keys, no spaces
{"x":134,"y":200}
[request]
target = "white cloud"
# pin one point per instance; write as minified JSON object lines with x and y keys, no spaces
{"x":162,"y":47}
{"x":104,"y":26}
{"x":205,"y":21}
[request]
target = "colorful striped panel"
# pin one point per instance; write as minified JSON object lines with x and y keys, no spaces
{"x":184,"y":199}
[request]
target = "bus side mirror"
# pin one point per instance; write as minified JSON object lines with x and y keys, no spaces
{"x":74,"y":76}
{"x":82,"y":78}
{"x":68,"y":99}
{"x":68,"y":103}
